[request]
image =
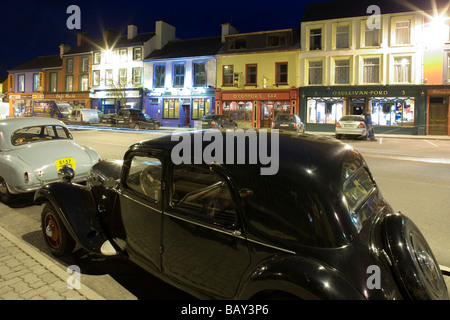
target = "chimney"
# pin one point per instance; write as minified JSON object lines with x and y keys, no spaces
{"x":132,"y":31}
{"x":164,"y":33}
{"x":227,"y":29}
{"x":63,"y":48}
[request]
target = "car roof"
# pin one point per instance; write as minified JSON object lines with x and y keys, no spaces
{"x":9,"y":125}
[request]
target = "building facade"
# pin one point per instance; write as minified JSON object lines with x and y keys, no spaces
{"x":257,"y":76}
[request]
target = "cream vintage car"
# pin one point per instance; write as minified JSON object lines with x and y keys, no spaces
{"x":33,"y":149}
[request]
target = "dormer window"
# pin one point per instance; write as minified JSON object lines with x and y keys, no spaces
{"x":236,"y":44}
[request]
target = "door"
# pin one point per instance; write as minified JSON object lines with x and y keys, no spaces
{"x":203,"y":245}
{"x":187,"y":115}
{"x":438,"y":116}
{"x":140,"y":206}
{"x":266,"y":115}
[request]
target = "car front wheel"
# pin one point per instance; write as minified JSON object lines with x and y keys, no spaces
{"x":5,"y":195}
{"x":55,"y":233}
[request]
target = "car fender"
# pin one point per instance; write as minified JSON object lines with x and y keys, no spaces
{"x":305,"y":278}
{"x":75,"y":206}
{"x":12,"y":170}
{"x":95,"y":157}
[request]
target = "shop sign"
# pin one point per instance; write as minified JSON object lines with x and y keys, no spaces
{"x":256,"y":96}
{"x":439,"y":91}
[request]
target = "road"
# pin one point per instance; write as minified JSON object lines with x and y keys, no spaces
{"x":413,"y":175}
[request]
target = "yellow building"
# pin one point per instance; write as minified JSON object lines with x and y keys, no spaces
{"x":257,"y":75}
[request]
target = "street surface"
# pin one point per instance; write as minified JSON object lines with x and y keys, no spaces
{"x":413,"y":175}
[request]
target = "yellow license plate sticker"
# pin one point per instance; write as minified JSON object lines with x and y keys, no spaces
{"x":65,"y":161}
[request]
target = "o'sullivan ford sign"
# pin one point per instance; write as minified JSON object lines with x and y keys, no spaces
{"x":388,"y":91}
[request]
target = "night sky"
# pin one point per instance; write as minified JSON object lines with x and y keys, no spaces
{"x":37,"y":28}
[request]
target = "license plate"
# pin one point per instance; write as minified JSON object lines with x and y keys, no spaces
{"x":204,"y":122}
{"x":284,"y":125}
{"x":65,"y":161}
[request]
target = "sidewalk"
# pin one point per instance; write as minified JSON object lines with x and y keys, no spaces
{"x":26,"y":274}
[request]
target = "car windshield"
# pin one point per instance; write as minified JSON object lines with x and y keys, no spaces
{"x":285,"y":117}
{"x":39,"y":133}
{"x":352,"y":118}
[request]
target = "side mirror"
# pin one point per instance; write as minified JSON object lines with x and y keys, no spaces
{"x":66,"y":174}
{"x":245,"y":193}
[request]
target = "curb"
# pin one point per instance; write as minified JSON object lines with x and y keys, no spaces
{"x":48,"y":264}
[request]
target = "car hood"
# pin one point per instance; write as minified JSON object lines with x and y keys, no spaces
{"x":43,"y":157}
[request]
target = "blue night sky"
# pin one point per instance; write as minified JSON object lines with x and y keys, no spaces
{"x":37,"y":28}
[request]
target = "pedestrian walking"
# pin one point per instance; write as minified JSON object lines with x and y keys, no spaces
{"x":369,"y":126}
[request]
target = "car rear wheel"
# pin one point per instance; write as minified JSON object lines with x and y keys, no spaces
{"x":415,"y":267}
{"x":5,"y":195}
{"x":156,"y":126}
{"x":55,"y":233}
{"x":136,"y":126}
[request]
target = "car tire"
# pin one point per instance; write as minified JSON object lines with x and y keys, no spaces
{"x":416,"y":270}
{"x":156,"y":127}
{"x":338,"y":136}
{"x":55,"y":233}
{"x":5,"y":195}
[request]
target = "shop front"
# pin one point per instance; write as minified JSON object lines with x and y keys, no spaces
{"x":397,"y":110}
{"x":20,"y":103}
{"x":76,"y":100}
{"x":256,"y":108}
{"x":110,"y":101}
{"x":179,"y":108}
{"x":438,"y":110}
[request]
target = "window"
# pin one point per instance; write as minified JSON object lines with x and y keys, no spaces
{"x":35,"y":82}
{"x":39,"y":133}
{"x":315,"y":70}
{"x":159,"y":75}
{"x":315,"y":39}
{"x":122,"y":77}
{"x":228,"y":75}
{"x":123,"y":55}
{"x":53,"y":81}
{"x":402,"y":32}
{"x":137,"y":54}
{"x":97,"y":57}
{"x":144,"y":177}
{"x":171,"y":108}
{"x":202,"y":193}
{"x":84,"y":82}
{"x":402,"y":69}
{"x":178,"y":75}
{"x":84,"y":65}
{"x":342,"y":36}
{"x":69,"y":65}
{"x":200,"y":107}
{"x":324,"y":110}
{"x":96,"y":77}
{"x":371,"y":36}
{"x":250,"y":74}
{"x":276,"y":40}
{"x":137,"y":75}
{"x":448,"y":67}
{"x":21,"y":83}
{"x":69,"y":83}
{"x":371,"y":70}
{"x":108,"y":77}
{"x":236,"y":44}
{"x":342,"y":71}
{"x":199,"y":74}
{"x":281,"y":69}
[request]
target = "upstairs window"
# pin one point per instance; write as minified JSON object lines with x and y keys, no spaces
{"x":342,"y":71}
{"x":178,"y":75}
{"x":97,"y":57}
{"x":342,"y":37}
{"x":69,"y":65}
{"x":315,"y":39}
{"x":35,"y":82}
{"x":402,"y":32}
{"x":402,"y":69}
{"x":371,"y":70}
{"x":137,"y":54}
{"x":315,"y":72}
{"x":159,"y":75}
{"x":84,"y":64}
{"x":21,"y":83}
{"x":250,"y":74}
{"x":276,"y":40}
{"x":228,"y":74}
{"x":281,"y":69}
{"x":236,"y":44}
{"x":199,"y":74}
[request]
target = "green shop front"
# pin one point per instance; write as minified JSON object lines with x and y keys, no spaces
{"x":394,"y":109}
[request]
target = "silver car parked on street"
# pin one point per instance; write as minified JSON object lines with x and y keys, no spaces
{"x":33,"y":149}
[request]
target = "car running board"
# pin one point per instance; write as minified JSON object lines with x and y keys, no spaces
{"x":108,"y":249}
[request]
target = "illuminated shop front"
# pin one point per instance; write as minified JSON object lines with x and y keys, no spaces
{"x":76,"y":100}
{"x":258,"y":108}
{"x":393,"y":109}
{"x":110,"y":101}
{"x":19,"y":103}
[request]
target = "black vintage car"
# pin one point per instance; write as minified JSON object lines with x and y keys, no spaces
{"x":319,"y":228}
{"x":217,"y":121}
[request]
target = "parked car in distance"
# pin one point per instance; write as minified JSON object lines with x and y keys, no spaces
{"x":217,"y":121}
{"x":288,"y":122}
{"x":130,"y":118}
{"x":318,"y":228}
{"x":85,"y":116}
{"x":351,"y":125}
{"x":32,"y":150}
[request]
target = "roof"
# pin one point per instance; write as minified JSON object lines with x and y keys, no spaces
{"x":357,"y":8}
{"x":188,"y":48}
{"x":120,"y":41}
{"x":40,"y":63}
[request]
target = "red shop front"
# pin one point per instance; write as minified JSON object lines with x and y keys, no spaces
{"x":256,"y":108}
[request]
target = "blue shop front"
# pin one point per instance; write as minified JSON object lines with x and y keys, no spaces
{"x":179,"y":107}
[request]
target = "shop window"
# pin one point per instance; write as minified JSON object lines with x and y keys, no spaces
{"x":281,"y":72}
{"x":325,"y":110}
{"x":159,"y":75}
{"x":244,"y":111}
{"x":199,"y":74}
{"x":402,"y":69}
{"x":200,"y":107}
{"x":315,"y":72}
{"x":178,"y":75}
{"x":171,"y":108}
{"x":230,"y":110}
{"x":228,"y":75}
{"x":250,"y":74}
{"x":393,"y":112}
{"x":282,"y":107}
{"x":371,"y":70}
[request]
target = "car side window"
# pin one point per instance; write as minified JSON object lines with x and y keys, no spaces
{"x":203,"y":193}
{"x":144,"y":177}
